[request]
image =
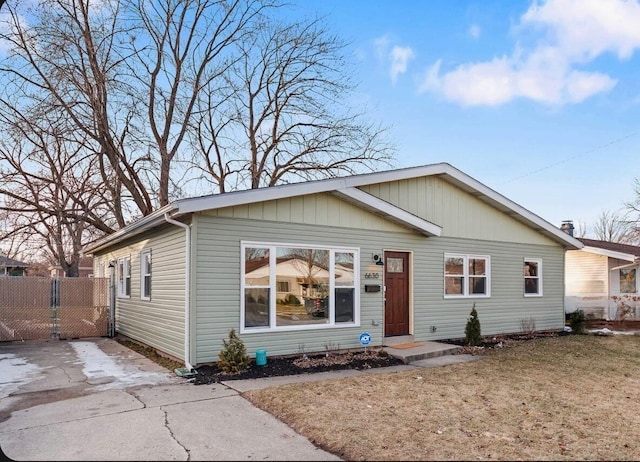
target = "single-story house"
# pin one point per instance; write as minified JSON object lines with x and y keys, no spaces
{"x":11,"y":267}
{"x":309,"y":266}
{"x":602,"y":280}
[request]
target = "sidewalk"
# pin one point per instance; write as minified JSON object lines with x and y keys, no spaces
{"x":97,"y":400}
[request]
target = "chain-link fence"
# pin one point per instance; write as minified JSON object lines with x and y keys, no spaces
{"x":42,"y":308}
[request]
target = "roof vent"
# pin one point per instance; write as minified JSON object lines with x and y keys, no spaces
{"x":567,"y":227}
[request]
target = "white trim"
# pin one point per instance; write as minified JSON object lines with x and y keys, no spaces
{"x":123,"y":275}
{"x":443,"y":170}
{"x":538,"y":277}
{"x":143,"y":274}
{"x":623,"y":266}
{"x":610,"y":253}
{"x":389,"y":211}
{"x":465,"y":275}
{"x":273,"y":327}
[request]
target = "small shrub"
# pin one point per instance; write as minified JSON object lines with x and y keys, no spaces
{"x":291,"y":299}
{"x":577,"y":322}
{"x":472,"y":331}
{"x":233,"y":357}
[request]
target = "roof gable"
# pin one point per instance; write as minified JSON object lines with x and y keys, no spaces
{"x":347,"y":188}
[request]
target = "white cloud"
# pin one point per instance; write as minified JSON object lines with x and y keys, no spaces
{"x":474,"y":31}
{"x":573,"y":34}
{"x":395,"y":57}
{"x":400,"y":57}
{"x":586,"y":29}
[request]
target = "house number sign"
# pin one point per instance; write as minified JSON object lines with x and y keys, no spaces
{"x":372,"y":275}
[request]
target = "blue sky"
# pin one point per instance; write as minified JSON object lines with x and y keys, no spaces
{"x":538,"y":100}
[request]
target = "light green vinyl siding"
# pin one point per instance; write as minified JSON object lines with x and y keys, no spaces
{"x":312,"y":209}
{"x":158,"y":322}
{"x":458,"y":213}
{"x":217,"y":285}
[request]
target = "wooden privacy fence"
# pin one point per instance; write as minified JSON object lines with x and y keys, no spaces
{"x":42,"y":308}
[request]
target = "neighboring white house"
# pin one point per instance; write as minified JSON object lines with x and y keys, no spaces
{"x":404,"y":252}
{"x":602,"y":279}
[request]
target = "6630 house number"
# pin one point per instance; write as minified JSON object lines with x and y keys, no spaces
{"x":372,"y":275}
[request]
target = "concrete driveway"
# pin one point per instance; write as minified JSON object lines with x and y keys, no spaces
{"x":94,"y":399}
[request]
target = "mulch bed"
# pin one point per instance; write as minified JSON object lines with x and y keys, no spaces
{"x":499,"y":341}
{"x":301,"y":364}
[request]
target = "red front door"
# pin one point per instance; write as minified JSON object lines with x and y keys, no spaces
{"x":396,"y":310}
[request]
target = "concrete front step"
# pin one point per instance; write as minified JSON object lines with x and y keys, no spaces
{"x":397,"y":340}
{"x":421,"y":350}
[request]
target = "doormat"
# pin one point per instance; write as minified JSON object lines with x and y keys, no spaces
{"x":403,"y":346}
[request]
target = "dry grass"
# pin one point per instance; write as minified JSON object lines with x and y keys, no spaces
{"x":562,"y":398}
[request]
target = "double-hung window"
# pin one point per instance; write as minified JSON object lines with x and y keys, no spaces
{"x":145,"y":275}
{"x":532,"y":277}
{"x":124,"y":277}
{"x":467,"y":275}
{"x":291,"y":287}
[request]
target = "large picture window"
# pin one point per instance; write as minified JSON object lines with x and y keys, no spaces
{"x":466,"y":276}
{"x":124,"y":277}
{"x":294,"y":287}
{"x":532,"y":277}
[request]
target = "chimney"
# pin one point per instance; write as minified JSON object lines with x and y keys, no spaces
{"x":567,"y":227}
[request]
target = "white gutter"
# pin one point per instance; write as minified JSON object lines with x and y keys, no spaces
{"x":187,"y":292}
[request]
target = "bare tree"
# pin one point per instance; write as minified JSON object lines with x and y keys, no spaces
{"x":67,"y":58}
{"x":633,"y":213}
{"x":131,"y":95}
{"x":615,"y":227}
{"x":281,"y":115}
{"x":181,"y":48}
{"x":52,"y":194}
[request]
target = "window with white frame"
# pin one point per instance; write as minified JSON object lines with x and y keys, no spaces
{"x":145,"y":275}
{"x":124,"y":277}
{"x":466,"y":275}
{"x":532,"y":277}
{"x":286,"y":287}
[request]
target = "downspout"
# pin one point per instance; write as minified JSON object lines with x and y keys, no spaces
{"x":187,"y":290}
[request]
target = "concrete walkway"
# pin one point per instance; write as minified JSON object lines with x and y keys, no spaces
{"x":97,"y":400}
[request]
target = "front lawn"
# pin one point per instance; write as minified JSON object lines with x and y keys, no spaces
{"x":561,"y":398}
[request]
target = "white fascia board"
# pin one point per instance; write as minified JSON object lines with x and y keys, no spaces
{"x":137,"y":227}
{"x":448,"y":172}
{"x":630,"y":265}
{"x":231,"y":199}
{"x":610,"y":253}
{"x":388,"y":211}
{"x":500,"y":202}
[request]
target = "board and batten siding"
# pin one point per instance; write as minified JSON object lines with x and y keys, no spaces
{"x":313,"y":209}
{"x":158,"y":322}
{"x":459,"y":213}
{"x":217,"y":260}
{"x":587,"y":283}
